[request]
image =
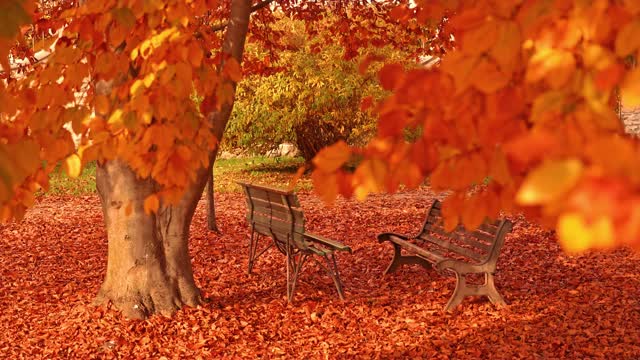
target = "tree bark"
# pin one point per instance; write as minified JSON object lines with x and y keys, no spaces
{"x":148,"y":265}
{"x":211,"y":205}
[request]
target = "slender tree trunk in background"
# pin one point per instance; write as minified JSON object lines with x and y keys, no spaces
{"x":211,"y":205}
{"x":148,"y":264}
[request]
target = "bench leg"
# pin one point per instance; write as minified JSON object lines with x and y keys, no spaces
{"x":492,"y":293}
{"x":253,"y":249}
{"x":463,"y":290}
{"x":458,"y":294}
{"x":294,"y":266}
{"x":332,"y":269}
{"x":399,"y":260}
{"x":253,"y":245}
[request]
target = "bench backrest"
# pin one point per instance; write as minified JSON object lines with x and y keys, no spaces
{"x":275,"y":213}
{"x":481,"y":245}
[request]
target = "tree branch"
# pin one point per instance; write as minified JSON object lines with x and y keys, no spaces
{"x":254,"y":8}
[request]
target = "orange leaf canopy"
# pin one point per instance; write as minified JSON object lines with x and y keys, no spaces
{"x":520,"y":116}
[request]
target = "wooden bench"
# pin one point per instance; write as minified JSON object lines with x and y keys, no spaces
{"x":276,"y":215}
{"x":461,"y":252}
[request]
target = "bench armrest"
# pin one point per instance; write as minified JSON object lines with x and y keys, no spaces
{"x":387,"y":236}
{"x":328,"y":242}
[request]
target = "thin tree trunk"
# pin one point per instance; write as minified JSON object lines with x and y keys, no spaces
{"x":148,"y":265}
{"x":211,"y":205}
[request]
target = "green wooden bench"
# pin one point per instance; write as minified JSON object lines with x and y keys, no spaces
{"x":461,"y":252}
{"x":276,"y":215}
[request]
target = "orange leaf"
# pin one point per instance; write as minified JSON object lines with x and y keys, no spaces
{"x":480,"y":39}
{"x":151,"y":204}
{"x":488,"y":78}
{"x":102,"y":104}
{"x":333,"y":157}
{"x":628,"y":39}
{"x":474,"y":213}
{"x":233,"y":70}
{"x":391,"y":75}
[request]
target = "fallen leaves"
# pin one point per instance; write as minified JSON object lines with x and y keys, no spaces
{"x":561,"y":306}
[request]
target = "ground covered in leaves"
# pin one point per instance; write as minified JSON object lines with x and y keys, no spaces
{"x":52,"y":263}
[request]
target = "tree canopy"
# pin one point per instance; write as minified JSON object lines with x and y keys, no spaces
{"x":519,"y":116}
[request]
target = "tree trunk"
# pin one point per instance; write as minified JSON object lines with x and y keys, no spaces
{"x":211,"y":205}
{"x":148,"y":265}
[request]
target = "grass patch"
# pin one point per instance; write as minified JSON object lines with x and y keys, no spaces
{"x":270,"y":171}
{"x":85,"y":184}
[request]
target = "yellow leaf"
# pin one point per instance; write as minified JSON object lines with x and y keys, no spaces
{"x":549,"y":181}
{"x":628,"y":39}
{"x":136,"y":88}
{"x":151,"y":204}
{"x":73,"y":165}
{"x":148,"y":80}
{"x":116,"y":117}
{"x":630,"y":89}
{"x":553,"y":65}
{"x":575,"y":235}
{"x":333,"y":157}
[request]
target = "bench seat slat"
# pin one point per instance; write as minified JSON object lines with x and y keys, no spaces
{"x":279,"y":198}
{"x":266,"y":220}
{"x":278,"y":212}
{"x":467,"y":240}
{"x":448,"y":245}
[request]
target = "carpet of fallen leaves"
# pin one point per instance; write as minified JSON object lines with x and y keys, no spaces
{"x":561,"y":306}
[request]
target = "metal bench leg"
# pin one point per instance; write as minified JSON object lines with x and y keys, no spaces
{"x":293,"y":271}
{"x":491,"y":291}
{"x":458,"y":294}
{"x":254,"y":242}
{"x":332,"y":270}
{"x":399,"y":260}
{"x":253,"y":245}
{"x":463,"y":290}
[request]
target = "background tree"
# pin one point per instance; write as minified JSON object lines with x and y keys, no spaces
{"x":310,"y":97}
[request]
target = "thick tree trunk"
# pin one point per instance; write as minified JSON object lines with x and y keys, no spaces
{"x":148,"y":266}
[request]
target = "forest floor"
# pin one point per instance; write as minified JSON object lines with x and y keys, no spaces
{"x":560,"y":306}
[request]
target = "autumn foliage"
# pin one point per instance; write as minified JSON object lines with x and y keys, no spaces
{"x":519,"y":117}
